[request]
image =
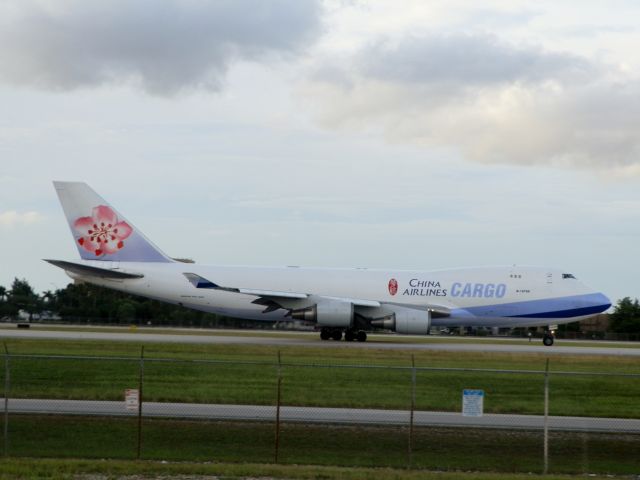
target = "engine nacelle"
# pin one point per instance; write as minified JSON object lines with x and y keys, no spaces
{"x":408,"y":321}
{"x":327,"y":313}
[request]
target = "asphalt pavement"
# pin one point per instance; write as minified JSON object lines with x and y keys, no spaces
{"x":321,"y":415}
{"x":309,"y":339}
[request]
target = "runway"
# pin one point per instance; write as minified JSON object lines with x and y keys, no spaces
{"x":498,"y":345}
{"x":340,"y":416}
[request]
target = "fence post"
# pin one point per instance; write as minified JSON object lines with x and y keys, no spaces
{"x":413,"y":407}
{"x":7,"y":387}
{"x":140,"y":384}
{"x":279,"y":388}
{"x":546,"y":418}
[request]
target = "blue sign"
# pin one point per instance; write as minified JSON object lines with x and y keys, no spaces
{"x":472,"y":403}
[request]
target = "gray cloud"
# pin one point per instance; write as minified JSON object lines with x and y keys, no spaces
{"x":493,"y":101}
{"x":466,"y":60}
{"x":164,"y":46}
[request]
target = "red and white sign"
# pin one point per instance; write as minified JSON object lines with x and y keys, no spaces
{"x":132,"y":399}
{"x":393,"y":286}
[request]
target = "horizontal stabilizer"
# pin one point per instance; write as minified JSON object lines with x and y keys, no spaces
{"x":82,"y":269}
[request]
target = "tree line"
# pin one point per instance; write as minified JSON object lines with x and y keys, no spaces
{"x":88,"y":303}
{"x":85,"y":303}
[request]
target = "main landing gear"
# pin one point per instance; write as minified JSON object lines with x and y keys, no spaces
{"x":349,"y":335}
{"x":548,"y":338}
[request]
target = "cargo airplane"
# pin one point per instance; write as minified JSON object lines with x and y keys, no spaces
{"x":343,"y":303}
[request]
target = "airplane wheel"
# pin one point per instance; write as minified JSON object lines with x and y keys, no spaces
{"x":547,"y":340}
{"x":361,"y":336}
{"x":336,"y":335}
{"x":349,"y":336}
{"x":325,"y":334}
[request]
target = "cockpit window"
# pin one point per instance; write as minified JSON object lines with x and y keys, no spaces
{"x":568,"y":275}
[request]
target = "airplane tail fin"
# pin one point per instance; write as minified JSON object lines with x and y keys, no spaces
{"x":99,"y":231}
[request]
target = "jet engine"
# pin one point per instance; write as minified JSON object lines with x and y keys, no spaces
{"x":408,"y":321}
{"x":327,"y":313}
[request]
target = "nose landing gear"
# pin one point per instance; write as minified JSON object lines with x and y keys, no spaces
{"x":548,"y":337}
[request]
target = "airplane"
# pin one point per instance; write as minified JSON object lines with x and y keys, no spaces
{"x":343,"y":303}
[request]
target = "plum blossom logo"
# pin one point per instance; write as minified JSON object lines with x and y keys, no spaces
{"x":393,"y":286}
{"x":102,"y":233}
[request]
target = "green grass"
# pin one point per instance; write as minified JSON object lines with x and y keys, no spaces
{"x":237,"y":381}
{"x":322,"y":355}
{"x":443,"y":449}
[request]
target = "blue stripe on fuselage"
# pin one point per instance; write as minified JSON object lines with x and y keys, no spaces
{"x":575,"y":312}
{"x":563,"y":307}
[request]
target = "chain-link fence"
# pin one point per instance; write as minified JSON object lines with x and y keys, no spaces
{"x":362,"y":415}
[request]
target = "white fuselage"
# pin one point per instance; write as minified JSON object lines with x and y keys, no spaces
{"x":492,"y":296}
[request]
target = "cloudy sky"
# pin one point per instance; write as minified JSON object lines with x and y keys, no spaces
{"x":392,"y":134}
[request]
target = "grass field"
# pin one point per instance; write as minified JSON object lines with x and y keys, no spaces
{"x":372,"y":378}
{"x":308,"y":354}
{"x":311,"y":377}
{"x":362,"y":446}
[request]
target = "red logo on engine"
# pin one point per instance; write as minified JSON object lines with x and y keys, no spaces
{"x":393,"y":286}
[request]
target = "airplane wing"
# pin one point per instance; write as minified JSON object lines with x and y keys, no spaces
{"x":274,"y":300}
{"x":201,"y":282}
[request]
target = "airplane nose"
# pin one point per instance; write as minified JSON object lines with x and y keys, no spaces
{"x":601,"y":302}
